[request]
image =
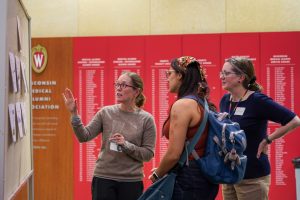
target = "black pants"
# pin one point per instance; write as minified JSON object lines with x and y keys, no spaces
{"x":192,"y":185}
{"x":105,"y":189}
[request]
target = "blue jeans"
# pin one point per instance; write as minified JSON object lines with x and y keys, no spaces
{"x":192,"y":185}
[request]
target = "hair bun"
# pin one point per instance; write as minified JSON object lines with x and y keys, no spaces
{"x":252,"y":80}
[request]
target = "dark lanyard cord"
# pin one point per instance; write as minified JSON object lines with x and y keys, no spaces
{"x":230,"y":103}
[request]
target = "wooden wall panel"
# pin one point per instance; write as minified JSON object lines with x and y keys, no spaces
{"x":21,"y":194}
{"x":52,"y":134}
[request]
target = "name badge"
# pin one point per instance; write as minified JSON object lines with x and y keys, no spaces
{"x":239,"y":111}
{"x":114,"y":147}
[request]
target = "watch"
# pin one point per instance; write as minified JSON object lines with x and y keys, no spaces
{"x":156,"y":177}
{"x":268,"y":140}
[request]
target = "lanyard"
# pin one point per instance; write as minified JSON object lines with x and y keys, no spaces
{"x":230,"y":103}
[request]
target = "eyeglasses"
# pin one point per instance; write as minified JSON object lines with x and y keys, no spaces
{"x":169,"y":72}
{"x":225,"y":74}
{"x":122,"y":85}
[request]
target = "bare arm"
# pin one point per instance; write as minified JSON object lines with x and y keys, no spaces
{"x":182,"y":114}
{"x":278,"y":133}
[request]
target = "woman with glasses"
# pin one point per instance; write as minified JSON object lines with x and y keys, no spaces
{"x":128,"y":140}
{"x":246,"y":105}
{"x":186,"y":77}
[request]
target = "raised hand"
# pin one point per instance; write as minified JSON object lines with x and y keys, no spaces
{"x":70,"y":102}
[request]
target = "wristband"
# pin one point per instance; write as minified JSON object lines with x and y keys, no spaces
{"x":268,"y":140}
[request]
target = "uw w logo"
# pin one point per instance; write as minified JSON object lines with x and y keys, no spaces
{"x":39,"y":58}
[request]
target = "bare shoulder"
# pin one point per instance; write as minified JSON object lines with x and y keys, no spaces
{"x":184,"y":105}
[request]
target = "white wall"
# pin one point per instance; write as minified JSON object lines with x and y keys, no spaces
{"x":68,"y":18}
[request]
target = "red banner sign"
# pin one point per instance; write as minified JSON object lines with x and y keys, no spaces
{"x":98,"y":61}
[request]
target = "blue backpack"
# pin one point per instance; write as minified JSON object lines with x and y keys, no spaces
{"x":223,"y":161}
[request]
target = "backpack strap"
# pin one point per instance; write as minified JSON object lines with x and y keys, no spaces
{"x":190,"y":145}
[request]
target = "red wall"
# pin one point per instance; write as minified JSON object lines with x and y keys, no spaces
{"x":98,"y":61}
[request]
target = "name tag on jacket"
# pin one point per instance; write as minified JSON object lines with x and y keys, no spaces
{"x":239,"y":111}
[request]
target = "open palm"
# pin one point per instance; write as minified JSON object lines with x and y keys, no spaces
{"x":70,"y":101}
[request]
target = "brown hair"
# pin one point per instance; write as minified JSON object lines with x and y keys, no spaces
{"x":244,"y":66}
{"x":138,"y":83}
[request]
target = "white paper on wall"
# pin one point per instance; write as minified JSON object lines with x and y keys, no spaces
{"x":23,"y":69}
{"x":19,"y":119}
{"x":12,"y":117}
{"x":18,"y":70}
{"x":23,"y":110}
{"x":12,"y":65}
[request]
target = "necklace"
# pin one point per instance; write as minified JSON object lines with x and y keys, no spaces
{"x":234,"y":108}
